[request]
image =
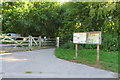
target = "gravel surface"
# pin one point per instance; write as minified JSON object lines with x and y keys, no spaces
{"x":43,"y":64}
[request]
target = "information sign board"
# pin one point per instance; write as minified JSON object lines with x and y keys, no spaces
{"x":87,"y":38}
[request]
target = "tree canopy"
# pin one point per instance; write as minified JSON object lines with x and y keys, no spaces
{"x":53,"y":19}
{"x":56,"y":19}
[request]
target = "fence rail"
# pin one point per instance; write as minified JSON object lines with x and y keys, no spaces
{"x":28,"y":42}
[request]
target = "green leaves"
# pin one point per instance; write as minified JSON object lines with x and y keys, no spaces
{"x":25,"y":17}
{"x":53,"y":19}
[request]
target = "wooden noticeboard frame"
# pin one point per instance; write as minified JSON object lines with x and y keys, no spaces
{"x":87,"y":38}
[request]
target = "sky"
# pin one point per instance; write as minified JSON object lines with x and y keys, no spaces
{"x":62,"y":1}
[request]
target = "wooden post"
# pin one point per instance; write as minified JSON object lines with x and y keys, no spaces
{"x":39,"y":41}
{"x":98,"y":55}
{"x":76,"y":50}
{"x":57,"y":40}
{"x":30,"y":42}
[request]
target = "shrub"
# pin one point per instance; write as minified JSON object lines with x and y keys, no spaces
{"x":109,"y":42}
{"x":68,"y":45}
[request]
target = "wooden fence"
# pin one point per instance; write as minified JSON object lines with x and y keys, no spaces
{"x":28,"y":42}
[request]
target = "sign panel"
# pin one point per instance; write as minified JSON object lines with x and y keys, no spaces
{"x":87,"y":38}
{"x":93,"y":38}
{"x":79,"y":38}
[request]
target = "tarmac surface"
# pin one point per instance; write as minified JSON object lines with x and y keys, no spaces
{"x":43,"y":64}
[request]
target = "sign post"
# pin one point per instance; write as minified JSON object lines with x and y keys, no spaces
{"x":98,"y":55}
{"x":76,"y":50}
{"x":87,"y":38}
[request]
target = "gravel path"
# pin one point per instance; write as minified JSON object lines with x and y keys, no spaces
{"x":43,"y":64}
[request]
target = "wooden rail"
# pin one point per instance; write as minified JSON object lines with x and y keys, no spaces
{"x":17,"y":42}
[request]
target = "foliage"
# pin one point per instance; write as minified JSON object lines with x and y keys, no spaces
{"x":83,"y":17}
{"x":109,"y":42}
{"x":29,"y":18}
{"x":108,"y":60}
{"x":53,"y":19}
{"x":68,"y":45}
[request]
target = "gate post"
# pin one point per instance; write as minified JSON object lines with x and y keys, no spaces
{"x":39,"y":39}
{"x":57,"y":41}
{"x":30,"y":42}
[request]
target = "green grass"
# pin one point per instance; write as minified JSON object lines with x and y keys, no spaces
{"x":28,"y":72}
{"x":108,"y":60}
{"x":8,"y":43}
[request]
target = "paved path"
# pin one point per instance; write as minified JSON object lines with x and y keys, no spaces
{"x":43,"y":64}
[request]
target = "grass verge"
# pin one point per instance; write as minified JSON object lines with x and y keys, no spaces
{"x":108,"y":60}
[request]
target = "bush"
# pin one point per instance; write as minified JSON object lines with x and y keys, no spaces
{"x":109,"y":41}
{"x":68,"y":45}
